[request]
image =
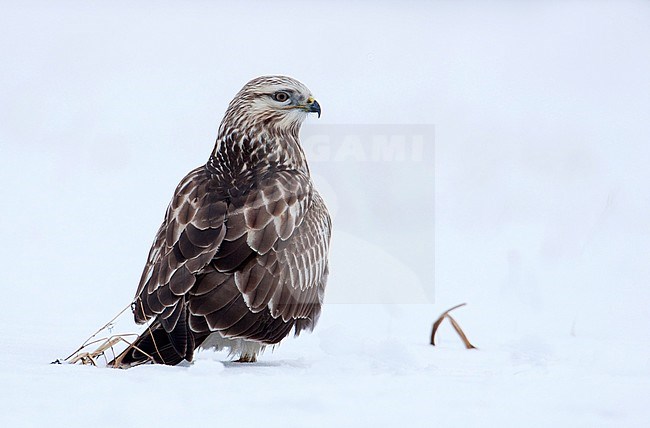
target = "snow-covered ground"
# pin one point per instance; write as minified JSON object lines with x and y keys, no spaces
{"x":515,"y":178}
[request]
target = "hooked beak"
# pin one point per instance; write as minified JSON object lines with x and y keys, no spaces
{"x":313,"y":106}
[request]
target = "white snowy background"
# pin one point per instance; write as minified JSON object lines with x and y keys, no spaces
{"x":540,"y":207}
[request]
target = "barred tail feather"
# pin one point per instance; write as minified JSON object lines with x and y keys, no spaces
{"x":156,"y":345}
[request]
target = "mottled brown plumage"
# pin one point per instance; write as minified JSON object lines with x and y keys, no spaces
{"x":240,"y":259}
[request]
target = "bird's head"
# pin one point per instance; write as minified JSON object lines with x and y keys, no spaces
{"x":271,"y":101}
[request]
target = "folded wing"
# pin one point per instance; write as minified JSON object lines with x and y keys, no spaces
{"x":250,"y":265}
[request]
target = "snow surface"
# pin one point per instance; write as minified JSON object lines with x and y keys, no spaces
{"x":531,"y":202}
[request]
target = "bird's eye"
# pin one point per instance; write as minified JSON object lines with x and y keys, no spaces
{"x":281,"y":96}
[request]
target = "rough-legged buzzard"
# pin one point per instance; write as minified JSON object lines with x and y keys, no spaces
{"x":240,"y":259}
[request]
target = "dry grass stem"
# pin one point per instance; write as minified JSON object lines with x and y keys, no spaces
{"x":94,"y":348}
{"x":454,"y":324}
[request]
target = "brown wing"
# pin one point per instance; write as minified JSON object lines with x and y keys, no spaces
{"x":190,"y":235}
{"x":247,"y":265}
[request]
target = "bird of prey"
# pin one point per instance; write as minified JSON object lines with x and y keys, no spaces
{"x":240,"y":259}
